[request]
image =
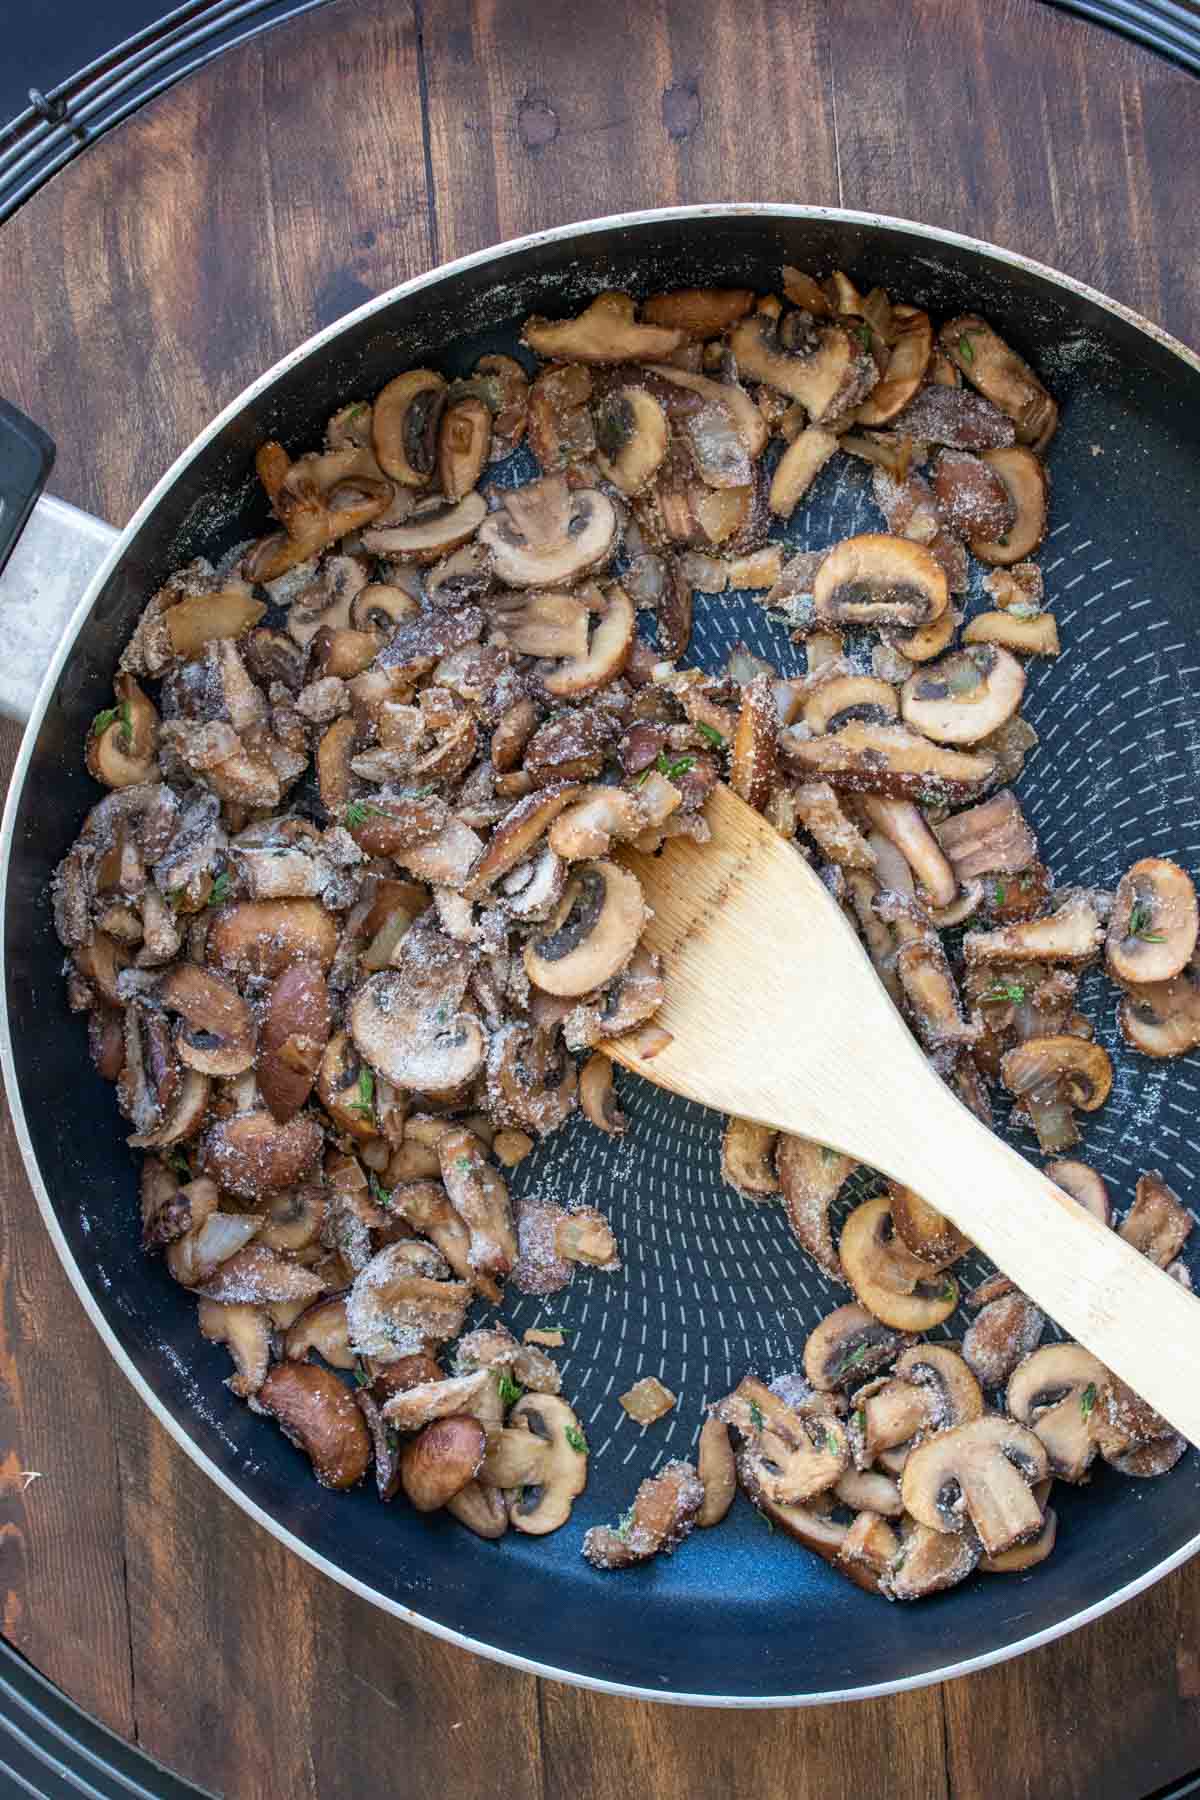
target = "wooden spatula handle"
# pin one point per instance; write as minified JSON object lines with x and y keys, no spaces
{"x":1142,"y":1324}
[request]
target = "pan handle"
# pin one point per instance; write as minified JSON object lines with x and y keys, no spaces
{"x":49,"y":551}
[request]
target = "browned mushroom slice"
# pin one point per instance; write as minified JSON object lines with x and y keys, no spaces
{"x":295,"y":1031}
{"x":903,"y":824}
{"x":517,"y":834}
{"x":928,"y":1233}
{"x":264,"y":937}
{"x":822,"y":366}
{"x":605,"y":332}
{"x":589,"y":825}
{"x":798,"y":468}
{"x":606,"y":652}
{"x":972,"y":498}
{"x":598,"y":1098}
{"x":634,"y":997}
{"x":631,"y":438}
{"x":752,"y":764}
{"x":169,"y":1210}
{"x":253,"y":1155}
{"x":748,"y":1158}
{"x":992,"y":837}
{"x":1163,"y":1018}
{"x":951,"y":415}
{"x":1032,"y":637}
{"x":404,"y":426}
{"x":840,"y":698}
{"x":810,"y":1176}
{"x":1006,"y":1330}
{"x":982,"y":1471}
{"x":480,"y":1197}
{"x":965,"y":696}
{"x":1054,"y":1391}
{"x":559,"y":421}
{"x":888,"y":759}
{"x":849,"y":1346}
{"x":401,"y":1299}
{"x":1084,"y":1185}
{"x":440,"y":1460}
{"x":432,"y":530}
{"x":820,"y":812}
{"x":1002,"y":376}
{"x":318,"y":1414}
{"x":503,"y":386}
{"x":663,"y":1513}
{"x":1158,"y":1223}
{"x":199,"y":618}
{"x":879,"y":579}
{"x":698,"y":312}
{"x":122,"y":744}
{"x":1027,"y":1555}
{"x":896,"y":1286}
{"x":1153,"y":924}
{"x":545,"y":535}
{"x":1071,"y":934}
{"x":910,"y":350}
{"x":409,"y":1403}
{"x":216,"y":1031}
{"x":1028,"y":487}
{"x":728,"y":395}
{"x":182,"y":1119}
{"x":556,"y":1463}
{"x":246,"y":1333}
{"x":1053,"y":1076}
{"x":321,"y":1327}
{"x":592,"y":933}
{"x":789,"y":1466}
{"x":925,"y":975}
{"x":464,"y":440}
{"x":414,"y":1034}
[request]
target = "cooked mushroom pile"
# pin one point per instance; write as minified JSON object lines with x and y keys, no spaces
{"x":352,"y":921}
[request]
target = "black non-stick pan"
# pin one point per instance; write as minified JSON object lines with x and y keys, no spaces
{"x":712,"y":1285}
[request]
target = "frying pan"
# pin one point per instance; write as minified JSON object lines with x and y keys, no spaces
{"x":712,"y":1285}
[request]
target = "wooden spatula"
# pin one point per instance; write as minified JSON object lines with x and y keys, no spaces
{"x":776,"y":1015}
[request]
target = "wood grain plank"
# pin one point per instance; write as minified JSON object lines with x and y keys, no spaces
{"x":62,"y":1569}
{"x":537,"y":120}
{"x":1016,"y":123}
{"x":1110,"y":1712}
{"x":878,"y":1750}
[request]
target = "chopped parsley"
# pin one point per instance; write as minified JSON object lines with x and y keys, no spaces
{"x":852,"y":1360}
{"x":998,"y":896}
{"x":966,"y":348}
{"x":361,"y":1378}
{"x":860,"y":1420}
{"x":756,"y":1416}
{"x":831,"y":1443}
{"x":1003,"y":993}
{"x":359,"y":811}
{"x":673,"y":770}
{"x":712,"y":736}
{"x":462,"y":1162}
{"x":864,"y":332}
{"x":950,"y":1291}
{"x":365,"y":1104}
{"x":352,"y":412}
{"x":110,"y":716}
{"x":1139,"y":924}
{"x":381,"y":1195}
{"x":624,"y":1525}
{"x":576,"y":1439}
{"x":178,"y":1164}
{"x":510,"y":1390}
{"x":218,"y":893}
{"x":1087,"y":1400}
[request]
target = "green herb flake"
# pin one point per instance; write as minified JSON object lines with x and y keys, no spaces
{"x":355,"y":412}
{"x":756,"y":1416}
{"x":966,"y":348}
{"x":624,"y":1525}
{"x":1001,"y":891}
{"x":576,"y":1439}
{"x":672,"y":770}
{"x":365,"y":1104}
{"x":950,"y":1291}
{"x":462,"y":1162}
{"x":1139,"y":924}
{"x":179,"y":1165}
{"x":361,"y":1377}
{"x":712,"y":736}
{"x":851,"y":1361}
{"x":832,"y":1443}
{"x":381,"y":1195}
{"x":359,"y":811}
{"x":1003,"y":993}
{"x":104,"y":719}
{"x":860,"y":1420}
{"x":218,"y":894}
{"x":864,"y":332}
{"x":510,"y":1390}
{"x":1087,"y":1400}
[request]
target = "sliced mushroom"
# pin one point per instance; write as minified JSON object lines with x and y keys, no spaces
{"x":294,"y":1217}
{"x":481,"y":1509}
{"x":295,"y":1031}
{"x":216,"y":1032}
{"x":1031,"y":637}
{"x":542,"y":1506}
{"x":1002,"y":376}
{"x":404,"y":426}
{"x":992,"y":837}
{"x":1027,"y":1555}
{"x":606,"y":651}
{"x":314,"y":1410}
{"x":546,"y":535}
{"x":928,"y":1233}
{"x":1005,"y":1331}
{"x":432,"y":530}
{"x":253,"y":1155}
{"x":605,"y":332}
{"x":799,"y":467}
{"x":246,"y":1333}
{"x":122,"y":745}
{"x":887,"y":759}
{"x":264,"y":937}
{"x":400,"y":1299}
{"x":810,"y":1176}
{"x":440,"y":1461}
{"x":663,"y":1513}
{"x":1163,"y":1018}
{"x":480,"y":1197}
{"x":597,"y":1096}
{"x":753,"y":758}
{"x":464,"y":441}
{"x":972,"y":498}
{"x":631,"y":438}
{"x":849,"y":1346}
{"x":890,"y":1282}
{"x":838,"y":699}
{"x":530,"y":1083}
{"x":717,"y":1470}
{"x":879,"y":579}
{"x":965,"y":696}
{"x":321,"y":1327}
{"x":930,"y":1561}
{"x":946,"y":413}
{"x":1083,"y":1184}
{"x":1153,"y":924}
{"x":869,"y":1490}
{"x":591,"y":935}
{"x":1028,"y":487}
{"x":1158,"y":1224}
{"x":727,"y":395}
{"x":1052,"y":1076}
{"x":903,"y":824}
{"x":407,"y":1023}
{"x":748,"y":1158}
{"x":698,"y":312}
{"x":820,"y":812}
{"x":982,"y":1471}
{"x":1054,"y":1391}
{"x":822,"y":366}
{"x":1072,"y":934}
{"x":908,"y":361}
{"x":932,"y":1389}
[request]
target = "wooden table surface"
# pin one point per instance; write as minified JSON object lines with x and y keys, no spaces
{"x":297,"y":176}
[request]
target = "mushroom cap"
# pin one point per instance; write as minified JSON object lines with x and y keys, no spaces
{"x":541,"y":1507}
{"x":825,"y":369}
{"x":439,"y":1462}
{"x":928,"y":1233}
{"x":1163,"y":1018}
{"x":983,"y":1470}
{"x":415,"y":1035}
{"x":879,"y":579}
{"x":318,"y":1414}
{"x":546,"y":535}
{"x":1054,"y":1392}
{"x":607,"y":651}
{"x":263,"y":937}
{"x":1028,"y":487}
{"x":631,"y":438}
{"x":834,"y":702}
{"x":1158,"y":1224}
{"x":1072,"y":1064}
{"x":1084,"y":1185}
{"x":896,"y":1286}
{"x":955,"y":1393}
{"x":1003,"y":1333}
{"x":1154,"y":921}
{"x":464,"y":441}
{"x":404,"y":426}
{"x":748,"y":1158}
{"x":592,"y":933}
{"x":252,"y":1154}
{"x":930,"y":1561}
{"x":849,"y":1346}
{"x":907,"y":365}
{"x":216,"y":1031}
{"x":992,"y":366}
{"x":810,"y":1176}
{"x":965,"y":696}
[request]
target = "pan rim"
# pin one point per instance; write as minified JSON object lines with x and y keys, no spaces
{"x":316,"y":342}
